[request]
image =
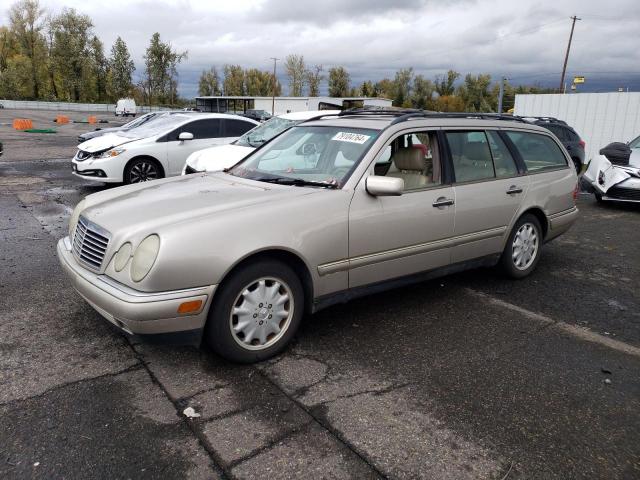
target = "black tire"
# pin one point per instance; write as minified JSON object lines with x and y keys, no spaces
{"x":598,"y":198}
{"x":218,"y":332}
{"x":142,"y":169}
{"x":508,"y":263}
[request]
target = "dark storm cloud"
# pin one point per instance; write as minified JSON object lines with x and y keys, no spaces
{"x":373,"y":38}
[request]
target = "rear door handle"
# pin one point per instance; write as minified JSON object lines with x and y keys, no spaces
{"x":513,"y":190}
{"x":443,"y":202}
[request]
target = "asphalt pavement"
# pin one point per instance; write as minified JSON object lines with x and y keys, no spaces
{"x":469,"y":376}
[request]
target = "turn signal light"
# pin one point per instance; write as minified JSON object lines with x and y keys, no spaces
{"x":190,"y":307}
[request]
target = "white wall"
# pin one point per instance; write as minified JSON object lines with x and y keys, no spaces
{"x":72,"y":107}
{"x":283,"y":104}
{"x":599,"y":118}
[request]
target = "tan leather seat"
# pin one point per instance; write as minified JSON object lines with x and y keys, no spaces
{"x":411,"y":167}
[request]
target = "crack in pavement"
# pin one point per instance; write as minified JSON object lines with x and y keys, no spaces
{"x":192,"y":426}
{"x":132,"y":368}
{"x":325,"y":425}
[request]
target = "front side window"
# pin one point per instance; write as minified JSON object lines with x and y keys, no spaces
{"x":309,"y":154}
{"x":539,"y":152}
{"x":415,"y":158}
{"x":471,"y":156}
{"x":205,"y":128}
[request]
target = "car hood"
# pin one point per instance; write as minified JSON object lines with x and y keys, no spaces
{"x":104,"y":142}
{"x":215,"y":159}
{"x":150,"y":206}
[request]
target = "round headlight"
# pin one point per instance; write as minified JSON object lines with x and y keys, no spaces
{"x":122,"y":257}
{"x":73,"y":221}
{"x":144,"y":257}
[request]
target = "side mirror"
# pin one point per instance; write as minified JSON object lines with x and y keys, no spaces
{"x":384,"y":186}
{"x":185,"y":136}
{"x":309,"y":149}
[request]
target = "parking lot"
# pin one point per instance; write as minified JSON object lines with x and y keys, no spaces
{"x":469,"y":376}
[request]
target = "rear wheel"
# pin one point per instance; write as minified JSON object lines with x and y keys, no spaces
{"x":142,"y":170}
{"x":522,"y":252}
{"x":256,"y":312}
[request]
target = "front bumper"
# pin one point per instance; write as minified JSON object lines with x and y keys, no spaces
{"x":135,"y":312}
{"x":98,"y":170}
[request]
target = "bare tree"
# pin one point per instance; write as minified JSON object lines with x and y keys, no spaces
{"x":295,"y":68}
{"x":314,"y":77}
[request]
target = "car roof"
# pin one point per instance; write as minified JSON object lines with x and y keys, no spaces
{"x":307,"y":114}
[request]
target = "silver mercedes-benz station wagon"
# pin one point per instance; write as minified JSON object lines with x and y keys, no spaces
{"x":331,"y":209}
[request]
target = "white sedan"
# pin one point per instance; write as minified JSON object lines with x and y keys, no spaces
{"x":218,"y":158}
{"x":157,"y":149}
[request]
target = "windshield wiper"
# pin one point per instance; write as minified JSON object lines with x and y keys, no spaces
{"x":298,"y":182}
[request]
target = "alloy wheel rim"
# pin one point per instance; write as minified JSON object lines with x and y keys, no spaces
{"x":143,"y":172}
{"x":261,"y":313}
{"x":525,"y":246}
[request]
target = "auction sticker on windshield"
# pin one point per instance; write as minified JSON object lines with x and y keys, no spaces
{"x":351,"y":137}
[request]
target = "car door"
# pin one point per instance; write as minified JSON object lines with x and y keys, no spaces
{"x":205,"y":131}
{"x":390,"y":237}
{"x":489,"y":188}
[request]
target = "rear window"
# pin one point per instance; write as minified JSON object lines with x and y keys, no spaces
{"x":539,"y":152}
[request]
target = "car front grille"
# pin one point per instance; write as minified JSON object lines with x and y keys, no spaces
{"x":624,"y":193}
{"x":82,"y":155}
{"x":90,"y":243}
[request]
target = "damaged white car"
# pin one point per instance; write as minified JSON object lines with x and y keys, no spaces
{"x":615,"y":173}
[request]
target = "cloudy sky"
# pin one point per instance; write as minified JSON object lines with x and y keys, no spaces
{"x":524,"y":40}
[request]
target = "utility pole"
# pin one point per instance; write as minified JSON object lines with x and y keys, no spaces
{"x":273,"y":90}
{"x":566,"y":57}
{"x":501,"y":94}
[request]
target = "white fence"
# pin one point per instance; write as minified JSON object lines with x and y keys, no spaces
{"x":599,"y":118}
{"x":72,"y":107}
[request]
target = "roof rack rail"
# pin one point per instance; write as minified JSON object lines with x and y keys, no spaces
{"x":470,"y":115}
{"x":378,"y":111}
{"x":545,"y":119}
{"x":404,"y":114}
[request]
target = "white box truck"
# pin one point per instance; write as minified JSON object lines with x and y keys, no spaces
{"x":126,"y":107}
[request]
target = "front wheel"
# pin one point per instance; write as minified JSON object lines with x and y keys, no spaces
{"x":142,"y":170}
{"x":522,"y":252}
{"x":256,"y":312}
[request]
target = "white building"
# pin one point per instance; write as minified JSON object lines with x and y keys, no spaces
{"x":599,"y":118}
{"x":282,"y":105}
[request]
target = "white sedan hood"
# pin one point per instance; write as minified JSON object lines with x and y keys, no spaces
{"x":215,"y":159}
{"x":104,"y":142}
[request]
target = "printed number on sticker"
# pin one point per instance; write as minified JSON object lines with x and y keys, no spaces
{"x":351,"y":137}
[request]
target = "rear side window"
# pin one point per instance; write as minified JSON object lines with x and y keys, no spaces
{"x":236,"y":128}
{"x":503,"y":162}
{"x":539,"y":152}
{"x":471,"y":156}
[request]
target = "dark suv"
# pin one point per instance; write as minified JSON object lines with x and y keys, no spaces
{"x":567,"y":136}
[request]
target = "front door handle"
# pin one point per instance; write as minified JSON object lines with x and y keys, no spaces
{"x":443,"y":202}
{"x":513,"y":190}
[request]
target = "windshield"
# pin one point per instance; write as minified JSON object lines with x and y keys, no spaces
{"x":265,"y":132}
{"x":322,"y":155}
{"x":138,"y":121}
{"x":158,"y":124}
{"x":635,"y":143}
